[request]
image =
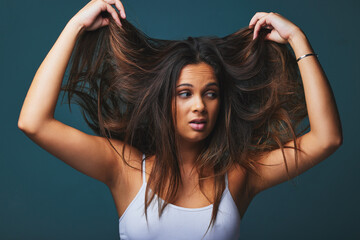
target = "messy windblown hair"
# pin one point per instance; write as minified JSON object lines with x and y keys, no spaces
{"x":124,"y":81}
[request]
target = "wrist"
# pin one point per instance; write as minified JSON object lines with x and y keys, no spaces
{"x":75,"y":26}
{"x":299,"y":43}
{"x":297,"y":36}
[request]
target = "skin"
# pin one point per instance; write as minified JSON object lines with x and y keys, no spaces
{"x":93,"y":156}
{"x":197,"y":96}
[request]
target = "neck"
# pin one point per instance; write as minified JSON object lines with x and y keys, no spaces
{"x":188,"y":152}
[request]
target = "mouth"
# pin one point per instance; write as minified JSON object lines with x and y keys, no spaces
{"x":198,"y":124}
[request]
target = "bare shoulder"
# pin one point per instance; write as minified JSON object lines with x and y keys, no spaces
{"x":238,"y":188}
{"x":125,"y":154}
{"x":128,"y":158}
{"x":236,"y":172}
{"x":237,"y":178}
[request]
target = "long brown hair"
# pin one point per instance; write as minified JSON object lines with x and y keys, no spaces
{"x":124,"y":81}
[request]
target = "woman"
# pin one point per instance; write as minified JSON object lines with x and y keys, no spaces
{"x":190,"y":131}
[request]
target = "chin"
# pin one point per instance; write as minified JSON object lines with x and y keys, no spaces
{"x":196,"y":137}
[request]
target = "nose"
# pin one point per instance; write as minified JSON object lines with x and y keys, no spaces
{"x":198,"y":105}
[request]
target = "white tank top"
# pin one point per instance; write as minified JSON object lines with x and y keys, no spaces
{"x":179,"y":222}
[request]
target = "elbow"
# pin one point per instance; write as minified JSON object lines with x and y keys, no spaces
{"x":25,"y":127}
{"x":339,"y":141}
{"x":21,"y":125}
{"x":32,"y":128}
{"x":330,"y":141}
{"x":334,"y":143}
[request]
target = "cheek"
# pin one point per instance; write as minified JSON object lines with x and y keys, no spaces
{"x":214,"y":108}
{"x":178,"y":113}
{"x":181,"y":112}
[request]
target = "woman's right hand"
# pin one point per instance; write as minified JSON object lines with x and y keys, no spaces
{"x":90,"y":18}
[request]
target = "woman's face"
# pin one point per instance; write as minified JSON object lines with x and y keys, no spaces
{"x":197,"y":102}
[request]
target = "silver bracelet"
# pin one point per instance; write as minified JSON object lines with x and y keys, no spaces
{"x":306,"y":55}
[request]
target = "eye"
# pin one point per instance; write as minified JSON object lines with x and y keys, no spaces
{"x":184,"y":94}
{"x":211,"y":94}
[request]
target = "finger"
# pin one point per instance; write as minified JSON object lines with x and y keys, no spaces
{"x":256,"y":17}
{"x":118,"y":5}
{"x":260,"y":23}
{"x":121,"y":8}
{"x":257,"y":27}
{"x":113,"y":13}
{"x":270,"y":35}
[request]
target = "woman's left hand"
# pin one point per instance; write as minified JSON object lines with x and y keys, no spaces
{"x":282,"y":29}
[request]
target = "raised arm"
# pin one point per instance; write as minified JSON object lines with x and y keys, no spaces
{"x":325,"y":134}
{"x":88,"y":154}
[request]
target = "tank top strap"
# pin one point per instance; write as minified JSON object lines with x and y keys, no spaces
{"x":226,"y":181}
{"x":143,"y":169}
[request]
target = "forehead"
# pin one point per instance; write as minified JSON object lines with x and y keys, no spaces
{"x":197,"y":73}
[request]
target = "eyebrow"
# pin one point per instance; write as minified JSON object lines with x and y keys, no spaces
{"x":190,"y":85}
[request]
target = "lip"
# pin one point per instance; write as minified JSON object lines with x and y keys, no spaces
{"x":198,"y":124}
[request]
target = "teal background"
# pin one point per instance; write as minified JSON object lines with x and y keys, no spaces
{"x":43,"y":198}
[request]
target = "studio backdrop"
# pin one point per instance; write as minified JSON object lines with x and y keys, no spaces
{"x":43,"y":198}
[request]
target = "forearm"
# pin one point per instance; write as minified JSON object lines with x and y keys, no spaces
{"x":40,"y":101}
{"x":322,"y":111}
